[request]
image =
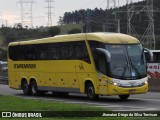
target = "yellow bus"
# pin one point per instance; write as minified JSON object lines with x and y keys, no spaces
{"x":88,"y":63}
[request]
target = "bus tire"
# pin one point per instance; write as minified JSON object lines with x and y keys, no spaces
{"x":25,"y":87}
{"x":91,"y":92}
{"x":33,"y":87}
{"x":124,"y":97}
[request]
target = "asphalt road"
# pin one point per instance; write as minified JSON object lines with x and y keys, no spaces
{"x":141,"y":102}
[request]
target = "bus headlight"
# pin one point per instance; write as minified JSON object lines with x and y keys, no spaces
{"x":113,"y":82}
{"x":117,"y":84}
{"x":146,"y":82}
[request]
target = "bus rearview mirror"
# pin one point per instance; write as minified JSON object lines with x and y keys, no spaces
{"x":107,"y":54}
{"x":150,"y":53}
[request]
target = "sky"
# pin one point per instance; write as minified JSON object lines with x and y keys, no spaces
{"x":10,"y":10}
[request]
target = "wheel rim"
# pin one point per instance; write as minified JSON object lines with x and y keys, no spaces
{"x":90,"y":91}
{"x":25,"y":88}
{"x":34,"y":89}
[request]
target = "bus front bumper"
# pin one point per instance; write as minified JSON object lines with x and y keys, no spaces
{"x":115,"y":90}
{"x":122,"y":87}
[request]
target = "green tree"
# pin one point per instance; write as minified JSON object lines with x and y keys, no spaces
{"x":73,"y":31}
{"x":18,"y":25}
{"x":54,"y":31}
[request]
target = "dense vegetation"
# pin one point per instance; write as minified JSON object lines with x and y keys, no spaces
{"x":20,"y":33}
{"x":104,"y":20}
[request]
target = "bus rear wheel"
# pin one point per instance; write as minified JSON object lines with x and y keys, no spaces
{"x":91,"y":92}
{"x":25,"y":87}
{"x":34,"y":90}
{"x":124,"y":97}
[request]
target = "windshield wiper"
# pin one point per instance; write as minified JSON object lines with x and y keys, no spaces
{"x":142,"y":57}
{"x":134,"y":67}
{"x":125,"y":69}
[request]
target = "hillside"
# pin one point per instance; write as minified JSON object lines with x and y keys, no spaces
{"x":67,"y":27}
{"x":104,"y":20}
{"x":18,"y":33}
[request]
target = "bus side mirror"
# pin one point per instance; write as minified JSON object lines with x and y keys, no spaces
{"x":150,"y":53}
{"x":107,"y":54}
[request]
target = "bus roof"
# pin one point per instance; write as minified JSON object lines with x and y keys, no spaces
{"x":115,"y":38}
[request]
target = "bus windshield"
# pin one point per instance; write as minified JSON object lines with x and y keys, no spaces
{"x":127,"y":61}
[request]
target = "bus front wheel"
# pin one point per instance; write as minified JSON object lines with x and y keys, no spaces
{"x":124,"y":97}
{"x":25,"y":87}
{"x":91,"y":92}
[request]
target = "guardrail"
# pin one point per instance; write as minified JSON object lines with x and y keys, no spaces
{"x":154,"y":85}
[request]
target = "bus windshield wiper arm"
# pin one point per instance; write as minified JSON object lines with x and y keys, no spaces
{"x":132,"y":64}
{"x":124,"y":71}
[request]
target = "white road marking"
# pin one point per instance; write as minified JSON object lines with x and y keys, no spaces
{"x":146,"y":109}
{"x":118,"y":107}
{"x":148,"y":99}
{"x":129,"y":108}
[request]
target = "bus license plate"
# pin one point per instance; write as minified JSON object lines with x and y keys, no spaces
{"x":132,"y":91}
